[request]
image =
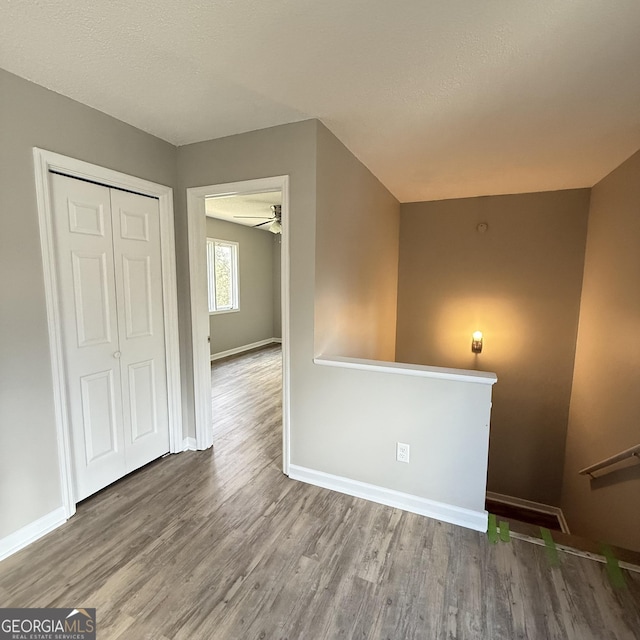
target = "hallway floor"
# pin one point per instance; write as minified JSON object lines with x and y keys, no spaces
{"x":219,"y":544}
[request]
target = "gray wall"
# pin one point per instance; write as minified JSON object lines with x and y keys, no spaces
{"x":254,"y":321}
{"x":605,"y":404}
{"x":316,"y":438}
{"x":32,"y":116}
{"x":288,"y":149}
{"x":519,"y":283}
{"x":351,"y":420}
{"x":357,"y":229}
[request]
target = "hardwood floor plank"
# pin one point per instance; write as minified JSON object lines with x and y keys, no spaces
{"x":407,"y":594}
{"x":375,"y":548}
{"x":221,"y":545}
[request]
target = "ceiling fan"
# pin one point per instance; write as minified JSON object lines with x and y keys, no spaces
{"x":274,"y":220}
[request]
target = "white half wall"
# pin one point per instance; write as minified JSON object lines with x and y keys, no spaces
{"x":362,"y":408}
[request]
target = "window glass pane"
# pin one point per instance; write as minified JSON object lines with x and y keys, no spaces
{"x":224,"y":275}
{"x":210,"y":271}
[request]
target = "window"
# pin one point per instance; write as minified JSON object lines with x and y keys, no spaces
{"x":222,"y":272}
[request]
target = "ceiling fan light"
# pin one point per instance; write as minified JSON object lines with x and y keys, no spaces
{"x":275,"y":227}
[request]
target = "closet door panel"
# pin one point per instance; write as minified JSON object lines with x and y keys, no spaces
{"x":88,"y":308}
{"x":138,"y":274}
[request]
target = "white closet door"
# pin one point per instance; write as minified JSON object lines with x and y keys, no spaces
{"x":138,"y":269}
{"x":110,"y":287}
{"x":86,"y":285}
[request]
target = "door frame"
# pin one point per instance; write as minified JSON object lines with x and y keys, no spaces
{"x":196,"y":227}
{"x":44,"y":163}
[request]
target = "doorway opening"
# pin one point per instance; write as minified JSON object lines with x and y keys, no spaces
{"x":244,"y":235}
{"x":232,"y":314}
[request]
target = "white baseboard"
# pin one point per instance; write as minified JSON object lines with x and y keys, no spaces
{"x":243,"y":348}
{"x":32,"y":532}
{"x":189,"y":444}
{"x":476,"y":520}
{"x":533,"y":506}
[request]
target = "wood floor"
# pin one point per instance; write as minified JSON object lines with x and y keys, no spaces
{"x":220,"y":544}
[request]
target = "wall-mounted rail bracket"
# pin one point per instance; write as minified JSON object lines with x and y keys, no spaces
{"x":632,"y":452}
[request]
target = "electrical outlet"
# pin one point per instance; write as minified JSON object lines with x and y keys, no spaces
{"x":402,"y":452}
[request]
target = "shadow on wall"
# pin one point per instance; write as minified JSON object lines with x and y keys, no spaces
{"x":628,"y":473}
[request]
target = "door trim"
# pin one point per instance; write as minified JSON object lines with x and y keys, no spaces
{"x":196,"y":226}
{"x":44,"y":162}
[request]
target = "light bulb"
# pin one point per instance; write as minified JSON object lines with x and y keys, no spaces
{"x":476,"y":342}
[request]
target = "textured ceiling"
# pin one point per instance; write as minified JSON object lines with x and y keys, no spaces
{"x":439,"y":99}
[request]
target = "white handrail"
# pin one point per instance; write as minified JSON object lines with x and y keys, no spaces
{"x":623,"y":455}
{"x":423,"y":371}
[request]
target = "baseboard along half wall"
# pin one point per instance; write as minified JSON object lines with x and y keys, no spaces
{"x":31,"y":532}
{"x":476,"y":520}
{"x":243,"y":348}
{"x":533,"y":506}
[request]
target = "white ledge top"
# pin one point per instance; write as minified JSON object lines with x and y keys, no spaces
{"x":423,"y":371}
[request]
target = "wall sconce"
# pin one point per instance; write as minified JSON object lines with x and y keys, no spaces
{"x":476,"y":342}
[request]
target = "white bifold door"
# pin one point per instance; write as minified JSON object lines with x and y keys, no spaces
{"x":108,"y":257}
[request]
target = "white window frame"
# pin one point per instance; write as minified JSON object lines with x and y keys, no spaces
{"x":235,"y":276}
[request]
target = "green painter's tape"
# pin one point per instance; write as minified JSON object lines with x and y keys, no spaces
{"x":504,"y":531}
{"x":613,"y":568}
{"x":492,"y":531}
{"x":550,"y":545}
